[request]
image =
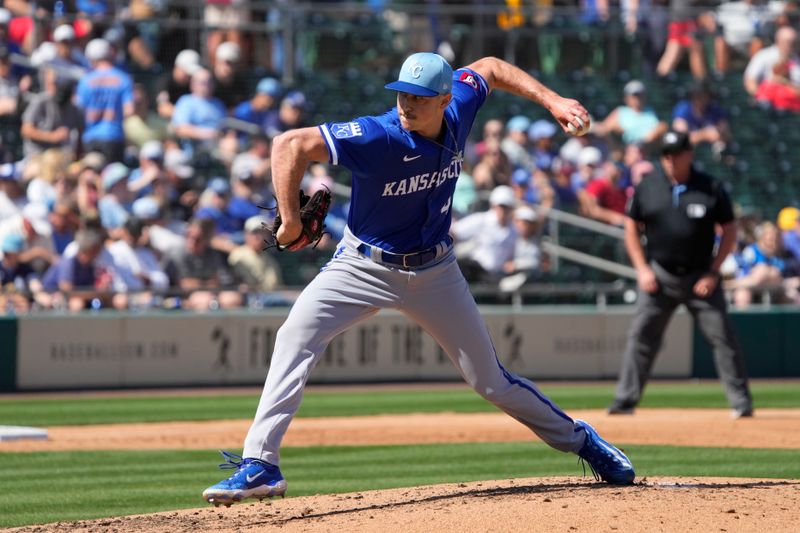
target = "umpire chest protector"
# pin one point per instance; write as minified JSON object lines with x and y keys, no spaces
{"x":679,"y":219}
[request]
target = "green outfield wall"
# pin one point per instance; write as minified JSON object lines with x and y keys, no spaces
{"x":116,"y":350}
{"x":770,"y":339}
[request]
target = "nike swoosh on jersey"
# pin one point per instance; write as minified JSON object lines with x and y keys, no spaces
{"x":251,"y":479}
{"x":407,"y":159}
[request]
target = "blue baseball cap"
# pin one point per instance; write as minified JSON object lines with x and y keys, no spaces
{"x":541,"y":129}
{"x":269,"y":86}
{"x":113,"y":174}
{"x":519,"y":123}
{"x":424,"y":74}
{"x":13,"y":243}
{"x":220,"y":186}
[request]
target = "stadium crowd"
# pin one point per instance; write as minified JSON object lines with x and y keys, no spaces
{"x":105,"y":206}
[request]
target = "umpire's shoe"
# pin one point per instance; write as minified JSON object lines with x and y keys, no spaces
{"x":253,"y":479}
{"x":606,"y":461}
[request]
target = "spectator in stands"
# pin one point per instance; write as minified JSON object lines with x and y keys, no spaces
{"x":682,"y":38}
{"x":12,"y":192}
{"x":290,"y":114}
{"x":527,"y":248}
{"x":137,"y":266}
{"x":252,"y":268}
{"x":163,"y":235}
{"x":761,"y":266}
{"x":51,"y":120}
{"x":32,"y":226}
{"x":635,"y":121}
{"x":70,"y":62}
{"x":493,"y":169}
{"x":17,"y":278}
{"x":63,"y":220}
{"x":744,"y":27}
{"x":703,"y":119}
{"x":647,"y":21}
{"x":12,"y":46}
{"x":9,"y":85}
{"x":113,"y":205}
{"x":635,"y":166}
{"x":543,"y":151}
{"x":789,"y":224}
{"x":80,"y":272}
{"x":214,"y":204}
{"x":604,"y":198}
{"x":486,"y":240}
{"x":145,"y":124}
{"x":177,"y":82}
{"x":515,"y":144}
{"x":255,"y":110}
{"x":247,"y":193}
{"x":532,"y":188}
{"x":90,"y":182}
{"x":230,"y":84}
{"x":566,"y":196}
{"x":201,"y":271}
{"x":493,"y":132}
{"x":782,"y":90}
{"x":588,"y":166}
{"x":9,"y":97}
{"x":761,"y":67}
{"x":143,"y":179}
{"x":106,"y":96}
{"x":198,"y":116}
{"x":225,"y":19}
{"x":254,"y":162}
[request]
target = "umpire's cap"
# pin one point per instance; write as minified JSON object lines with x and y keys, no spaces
{"x":424,"y":74}
{"x":675,"y":142}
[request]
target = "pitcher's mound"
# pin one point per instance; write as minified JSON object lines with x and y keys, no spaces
{"x":533,"y":504}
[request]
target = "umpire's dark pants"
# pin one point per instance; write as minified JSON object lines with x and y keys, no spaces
{"x":647,"y":332}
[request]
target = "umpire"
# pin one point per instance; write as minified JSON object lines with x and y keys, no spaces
{"x":678,"y":208}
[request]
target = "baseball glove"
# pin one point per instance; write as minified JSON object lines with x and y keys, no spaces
{"x":313,"y":210}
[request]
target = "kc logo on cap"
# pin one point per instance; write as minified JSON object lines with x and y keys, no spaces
{"x":424,"y":74}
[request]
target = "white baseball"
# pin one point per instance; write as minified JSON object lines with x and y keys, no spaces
{"x":576,"y":131}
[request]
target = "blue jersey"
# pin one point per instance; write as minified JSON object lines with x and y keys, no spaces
{"x":403,"y":183}
{"x":103,"y":95}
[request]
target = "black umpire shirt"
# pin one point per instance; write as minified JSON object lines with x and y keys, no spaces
{"x":679,"y":220}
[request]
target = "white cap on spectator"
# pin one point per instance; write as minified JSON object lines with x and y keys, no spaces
{"x":253,"y":224}
{"x":151,"y":150}
{"x":502,"y":195}
{"x":146,"y":208}
{"x":525,"y":213}
{"x":98,"y":49}
{"x":229,"y":52}
{"x":177,"y":161}
{"x":589,"y":155}
{"x":188,"y":61}
{"x":63,"y":33}
{"x":45,"y":53}
{"x":5,"y":16}
{"x":634,"y":87}
{"x":36,"y":214}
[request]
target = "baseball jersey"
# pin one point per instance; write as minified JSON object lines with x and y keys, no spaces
{"x":103,"y":94}
{"x":403,"y":183}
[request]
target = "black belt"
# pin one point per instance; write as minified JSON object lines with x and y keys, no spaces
{"x":680,"y":270}
{"x":406,"y":261}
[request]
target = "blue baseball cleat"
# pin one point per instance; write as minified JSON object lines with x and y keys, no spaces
{"x":606,"y":460}
{"x":253,"y":479}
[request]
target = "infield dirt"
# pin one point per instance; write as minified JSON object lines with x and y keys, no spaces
{"x":535,"y":504}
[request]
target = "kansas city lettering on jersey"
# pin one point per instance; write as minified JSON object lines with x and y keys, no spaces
{"x":428,"y":180}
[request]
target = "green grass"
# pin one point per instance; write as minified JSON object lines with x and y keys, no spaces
{"x":136,"y":408}
{"x":83,"y":485}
